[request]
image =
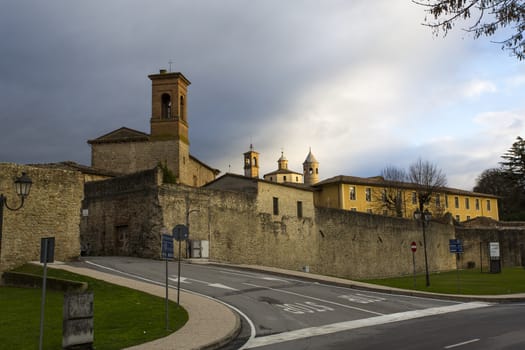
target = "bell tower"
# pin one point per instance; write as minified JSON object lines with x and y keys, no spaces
{"x":311,"y":169}
{"x":251,"y":163}
{"x":169,"y":120}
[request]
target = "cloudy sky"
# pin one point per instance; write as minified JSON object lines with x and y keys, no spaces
{"x":361,"y":82}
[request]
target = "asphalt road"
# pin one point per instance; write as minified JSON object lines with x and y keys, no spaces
{"x":289,"y":313}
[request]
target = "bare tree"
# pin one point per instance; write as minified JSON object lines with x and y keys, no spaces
{"x":487,"y":17}
{"x":392,"y":193}
{"x":428,"y":179}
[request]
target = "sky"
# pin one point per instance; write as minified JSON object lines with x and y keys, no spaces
{"x":362,"y":83}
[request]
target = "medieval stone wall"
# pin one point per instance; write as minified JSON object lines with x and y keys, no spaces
{"x":359,"y":245}
{"x":476,"y":246}
{"x":51,"y":210}
{"x":129,"y":157}
{"x":121,"y":216}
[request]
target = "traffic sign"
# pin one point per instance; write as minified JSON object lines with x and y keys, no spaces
{"x":413,"y":246}
{"x":180,"y":233}
{"x":167,"y":247}
{"x":455,"y":246}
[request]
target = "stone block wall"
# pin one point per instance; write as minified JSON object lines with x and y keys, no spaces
{"x":51,"y":210}
{"x":476,"y":246}
{"x":359,"y":245}
{"x":122,"y":216}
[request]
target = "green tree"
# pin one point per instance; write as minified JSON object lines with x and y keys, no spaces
{"x":482,"y":17}
{"x":514,"y":162}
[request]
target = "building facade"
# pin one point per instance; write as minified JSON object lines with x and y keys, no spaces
{"x":127,"y":151}
{"x":369,"y":195}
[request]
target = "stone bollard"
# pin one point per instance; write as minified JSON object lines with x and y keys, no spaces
{"x":77,"y":329}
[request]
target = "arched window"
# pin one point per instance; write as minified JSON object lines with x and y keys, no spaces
{"x":254,"y":161}
{"x":182,"y":110}
{"x":166,"y":106}
{"x":311,"y":171}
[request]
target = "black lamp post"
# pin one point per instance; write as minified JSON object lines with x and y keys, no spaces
{"x":22,"y":188}
{"x":424,"y":218}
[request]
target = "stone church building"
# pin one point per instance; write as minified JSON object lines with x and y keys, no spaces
{"x":127,"y":151}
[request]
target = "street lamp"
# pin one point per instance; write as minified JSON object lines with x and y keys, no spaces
{"x":22,"y":188}
{"x":425,"y":219}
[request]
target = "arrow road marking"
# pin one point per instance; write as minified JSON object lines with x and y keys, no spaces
{"x":189,"y":280}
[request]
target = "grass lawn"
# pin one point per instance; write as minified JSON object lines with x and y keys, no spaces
{"x":122,"y":317}
{"x":510,"y":280}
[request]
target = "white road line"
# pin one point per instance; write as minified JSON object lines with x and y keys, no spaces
{"x":461,"y":344}
{"x":313,"y":298}
{"x":348,"y":325}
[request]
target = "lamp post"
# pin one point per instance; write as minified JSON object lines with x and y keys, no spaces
{"x":22,"y":188}
{"x":424,"y":217}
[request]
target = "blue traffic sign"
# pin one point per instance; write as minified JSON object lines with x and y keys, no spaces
{"x":167,"y":247}
{"x":455,"y":246}
{"x":180,"y":232}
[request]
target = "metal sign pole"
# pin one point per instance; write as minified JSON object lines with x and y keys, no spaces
{"x":457,"y":271}
{"x":414,"y":267}
{"x":43,"y":303}
{"x":178,"y":280}
{"x":167,"y":317}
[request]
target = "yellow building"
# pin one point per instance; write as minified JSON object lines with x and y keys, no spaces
{"x":370,"y":195}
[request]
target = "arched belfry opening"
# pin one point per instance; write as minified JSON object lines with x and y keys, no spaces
{"x":182,"y":108}
{"x":166,"y":106}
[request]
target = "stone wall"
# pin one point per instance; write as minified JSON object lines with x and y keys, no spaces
{"x":130,"y":157}
{"x":476,"y":245}
{"x":122,"y":216}
{"x":51,"y":210}
{"x":359,"y":245}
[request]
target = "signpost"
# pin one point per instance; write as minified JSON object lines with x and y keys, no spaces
{"x":167,"y":254}
{"x":180,"y":233}
{"x":456,"y":246}
{"x":47,"y":254}
{"x":413,"y":247}
{"x":494,"y":253}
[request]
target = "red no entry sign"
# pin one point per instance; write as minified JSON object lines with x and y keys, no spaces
{"x":413,"y":246}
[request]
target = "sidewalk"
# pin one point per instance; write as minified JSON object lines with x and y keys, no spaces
{"x":210,"y":324}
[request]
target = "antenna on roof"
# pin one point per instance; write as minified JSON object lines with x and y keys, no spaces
{"x":170,"y":62}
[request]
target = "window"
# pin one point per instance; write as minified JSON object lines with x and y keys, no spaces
{"x":438,"y":201}
{"x":456,"y":202}
{"x":477,"y":204}
{"x":299,"y":209}
{"x":254,"y":161}
{"x":414,"y":198}
{"x":446,"y":201}
{"x":468,"y":217}
{"x":275,"y":206}
{"x":353,"y":209}
{"x":182,"y":109}
{"x":369,"y":211}
{"x":165,"y":106}
{"x":284,"y":178}
{"x":368,"y":194}
{"x":467,"y":203}
{"x":457,"y":218}
{"x":383,"y":195}
{"x":488,"y":204}
{"x":352,"y":193}
{"x":297,"y":179}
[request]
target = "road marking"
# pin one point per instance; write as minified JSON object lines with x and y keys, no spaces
{"x":214,"y":285}
{"x":182,"y":279}
{"x":251,"y":275}
{"x":361,"y":298}
{"x":366,"y":322}
{"x":461,"y":344}
{"x":302,"y":308}
{"x":313,"y":298}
